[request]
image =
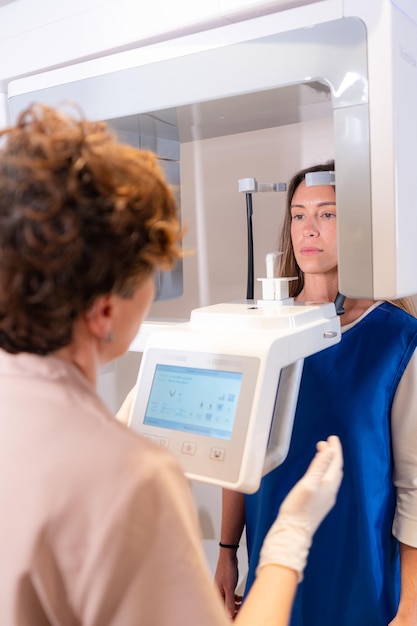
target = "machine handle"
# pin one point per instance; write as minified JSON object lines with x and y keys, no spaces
{"x":283,"y":417}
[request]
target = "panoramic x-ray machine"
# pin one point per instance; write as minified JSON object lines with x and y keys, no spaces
{"x":208,"y":390}
{"x":220,"y":391}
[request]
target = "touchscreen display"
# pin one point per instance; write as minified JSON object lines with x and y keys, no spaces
{"x":194,"y":400}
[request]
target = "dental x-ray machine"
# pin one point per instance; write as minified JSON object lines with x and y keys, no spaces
{"x":221,"y":391}
{"x":228,"y":361}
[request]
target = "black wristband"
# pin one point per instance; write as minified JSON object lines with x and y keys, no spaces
{"x":231,"y":546}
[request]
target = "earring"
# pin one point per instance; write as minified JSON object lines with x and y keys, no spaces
{"x":108,"y":338}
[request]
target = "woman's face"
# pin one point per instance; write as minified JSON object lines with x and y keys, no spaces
{"x":313,"y":228}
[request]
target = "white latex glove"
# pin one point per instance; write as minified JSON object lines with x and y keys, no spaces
{"x":289,"y":538}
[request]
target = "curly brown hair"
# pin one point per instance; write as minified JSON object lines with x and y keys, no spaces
{"x":81,"y":215}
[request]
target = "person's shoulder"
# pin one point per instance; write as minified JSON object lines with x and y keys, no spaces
{"x":395,"y":313}
{"x":118,"y":449}
{"x":150,"y":474}
{"x":394,"y":324}
{"x":137,"y":444}
{"x":143,"y":457}
{"x":383,"y":319}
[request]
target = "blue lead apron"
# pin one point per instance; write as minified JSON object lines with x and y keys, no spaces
{"x":352,"y":575}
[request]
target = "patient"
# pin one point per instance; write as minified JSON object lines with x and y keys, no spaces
{"x":98,"y":525}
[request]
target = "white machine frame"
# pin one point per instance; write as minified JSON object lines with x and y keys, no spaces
{"x":365,"y":52}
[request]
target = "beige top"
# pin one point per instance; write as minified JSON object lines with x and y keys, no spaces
{"x":97,"y":525}
{"x":404,"y":437}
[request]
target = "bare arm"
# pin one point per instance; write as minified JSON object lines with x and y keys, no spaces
{"x":404,"y":433}
{"x":407,"y":610}
{"x":270,"y":599}
{"x":233,"y":516}
{"x":227,"y":574}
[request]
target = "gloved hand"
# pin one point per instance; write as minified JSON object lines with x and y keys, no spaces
{"x":289,"y":538}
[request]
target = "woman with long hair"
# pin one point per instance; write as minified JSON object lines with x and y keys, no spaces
{"x":362,"y":568}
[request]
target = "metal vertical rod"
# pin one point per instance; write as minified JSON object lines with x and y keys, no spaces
{"x":250,"y":279}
